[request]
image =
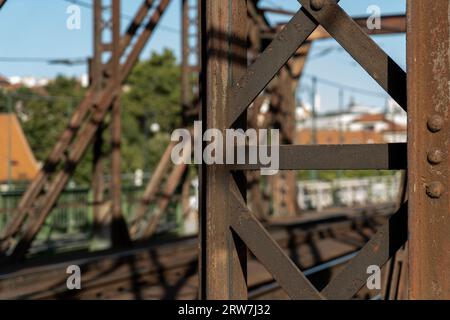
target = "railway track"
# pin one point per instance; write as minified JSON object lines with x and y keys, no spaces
{"x":169,"y":271}
{"x":272,"y":288}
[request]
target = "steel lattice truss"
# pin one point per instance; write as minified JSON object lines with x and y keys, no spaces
{"x":224,"y":205}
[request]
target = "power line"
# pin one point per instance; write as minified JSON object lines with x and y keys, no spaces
{"x":80,"y":3}
{"x":346,"y":87}
{"x":66,"y":61}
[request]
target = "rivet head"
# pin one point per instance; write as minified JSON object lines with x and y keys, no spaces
{"x":435,"y":123}
{"x":435,"y":156}
{"x":435,"y":189}
{"x":317,"y":4}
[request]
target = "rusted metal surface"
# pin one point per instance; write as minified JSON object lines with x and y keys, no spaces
{"x":224,"y":55}
{"x":390,"y":24}
{"x":388,"y":74}
{"x":190,"y":61}
{"x":428,"y":56}
{"x":390,"y":156}
{"x":107,"y":22}
{"x":185,"y":79}
{"x":119,"y":228}
{"x":395,"y":285}
{"x":144,"y":38}
{"x":278,"y":11}
{"x":224,"y":59}
{"x":100,"y":226}
{"x":268,"y":252}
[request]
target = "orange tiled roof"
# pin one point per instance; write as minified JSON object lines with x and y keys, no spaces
{"x":334,"y":137}
{"x":14,"y":146}
{"x":381,"y":117}
{"x":371,"y":118}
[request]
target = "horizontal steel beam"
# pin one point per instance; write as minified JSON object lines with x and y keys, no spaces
{"x":391,"y":156}
{"x":390,"y":24}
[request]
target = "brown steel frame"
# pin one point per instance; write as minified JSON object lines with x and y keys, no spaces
{"x":228,"y":227}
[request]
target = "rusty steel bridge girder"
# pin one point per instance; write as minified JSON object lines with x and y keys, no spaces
{"x":223,"y":264}
{"x":428,"y":54}
{"x":236,"y":221}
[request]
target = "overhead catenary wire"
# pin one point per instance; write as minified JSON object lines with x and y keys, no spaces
{"x":49,"y":60}
{"x":346,"y":87}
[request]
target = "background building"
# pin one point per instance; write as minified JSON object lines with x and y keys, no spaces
{"x":17,"y":162}
{"x":357,"y":125}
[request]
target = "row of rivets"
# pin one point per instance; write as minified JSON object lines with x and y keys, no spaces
{"x":435,"y":189}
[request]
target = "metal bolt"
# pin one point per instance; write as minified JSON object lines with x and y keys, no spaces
{"x":317,"y":4}
{"x":435,"y":189}
{"x":435,"y":156}
{"x":435,"y":123}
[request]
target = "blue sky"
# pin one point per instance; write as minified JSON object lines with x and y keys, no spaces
{"x":37,"y":28}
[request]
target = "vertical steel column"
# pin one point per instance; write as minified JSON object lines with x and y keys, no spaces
{"x":185,"y":81}
{"x":120,"y":234}
{"x":97,"y":80}
{"x":190,"y":99}
{"x":428,"y":52}
{"x":224,"y":54}
{"x":190,"y":61}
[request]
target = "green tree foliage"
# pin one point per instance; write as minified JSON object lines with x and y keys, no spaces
{"x":330,"y":175}
{"x":47,"y":114}
{"x":151,"y":96}
{"x":44,"y":114}
{"x":153,"y":91}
